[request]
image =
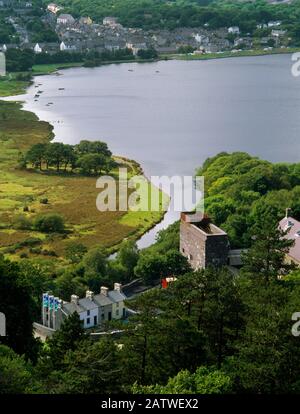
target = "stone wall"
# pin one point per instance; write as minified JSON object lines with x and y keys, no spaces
{"x":202,"y":249}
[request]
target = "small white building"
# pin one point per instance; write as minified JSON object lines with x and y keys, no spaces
{"x":65,"y":19}
{"x":274,"y":23}
{"x":53,"y":8}
{"x":278,"y":32}
{"x":110,"y":21}
{"x":234,"y":30}
{"x":62,"y":47}
{"x":37,"y":49}
{"x":136,"y":47}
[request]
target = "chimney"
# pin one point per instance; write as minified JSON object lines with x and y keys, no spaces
{"x":89,"y":295}
{"x":118,"y":287}
{"x":104,"y":291}
{"x":192,"y":217}
{"x":75,"y":299}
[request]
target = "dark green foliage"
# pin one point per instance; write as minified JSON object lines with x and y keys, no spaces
{"x":240,"y":189}
{"x":75,"y":252}
{"x":147,"y":54}
{"x":50,"y":223}
{"x":152,"y":267}
{"x":15,"y":376}
{"x":18,"y":306}
{"x":89,"y":157}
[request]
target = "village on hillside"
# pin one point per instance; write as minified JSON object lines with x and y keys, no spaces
{"x":82,"y":34}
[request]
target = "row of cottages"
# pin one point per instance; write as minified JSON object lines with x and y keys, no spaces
{"x":93,"y":310}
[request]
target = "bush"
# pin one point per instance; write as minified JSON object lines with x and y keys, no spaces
{"x":44,"y":201}
{"x":50,"y":223}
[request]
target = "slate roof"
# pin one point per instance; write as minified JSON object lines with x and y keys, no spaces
{"x":293,"y":227}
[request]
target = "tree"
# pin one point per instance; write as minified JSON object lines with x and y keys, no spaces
{"x":153,"y":266}
{"x":36,"y":155}
{"x":128,"y":256}
{"x":265,"y":259}
{"x":56,"y":154}
{"x":65,"y":339}
{"x":267,"y":360}
{"x":93,"y":368}
{"x":95,"y":268}
{"x":15,"y":376}
{"x":17,"y":304}
{"x":75,"y":252}
{"x":92,"y":163}
{"x":50,"y":223}
{"x":203,"y":381}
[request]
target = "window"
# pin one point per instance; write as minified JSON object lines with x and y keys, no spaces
{"x":88,"y":321}
{"x":88,"y":313}
{"x":183,"y":250}
{"x":95,"y":320}
{"x":103,"y":316}
{"x":117,"y":312}
{"x":117,"y":304}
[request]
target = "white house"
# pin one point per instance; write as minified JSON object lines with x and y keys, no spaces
{"x":110,"y":21}
{"x":274,"y":23}
{"x":53,"y":8}
{"x":197,"y":37}
{"x":37,"y":48}
{"x":234,"y":30}
{"x":135,"y":47}
{"x":93,"y":310}
{"x":65,"y":19}
{"x":278,"y":32}
{"x":62,"y":47}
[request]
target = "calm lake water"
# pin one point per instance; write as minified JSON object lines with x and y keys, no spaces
{"x":171,"y":115}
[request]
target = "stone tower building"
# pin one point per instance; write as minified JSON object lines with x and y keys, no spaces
{"x":202,"y":242}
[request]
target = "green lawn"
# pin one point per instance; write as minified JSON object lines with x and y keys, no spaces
{"x":229,"y":54}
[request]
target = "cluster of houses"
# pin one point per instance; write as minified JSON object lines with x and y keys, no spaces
{"x":94,"y":310}
{"x":82,"y":34}
{"x":201,"y":242}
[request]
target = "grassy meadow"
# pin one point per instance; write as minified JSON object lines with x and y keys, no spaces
{"x":72,"y":196}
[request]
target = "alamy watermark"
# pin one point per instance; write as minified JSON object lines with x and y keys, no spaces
{"x":137,"y":193}
{"x":296,"y":325}
{"x":296,"y":65}
{"x":2,"y":324}
{"x":2,"y":64}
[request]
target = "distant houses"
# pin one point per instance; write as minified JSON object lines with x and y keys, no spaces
{"x":234,"y":30}
{"x":110,"y":21}
{"x":65,"y":19}
{"x":53,"y":8}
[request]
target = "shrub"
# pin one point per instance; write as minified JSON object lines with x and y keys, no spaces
{"x":50,"y":223}
{"x":44,"y":201}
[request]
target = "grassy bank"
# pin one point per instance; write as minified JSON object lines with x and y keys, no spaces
{"x":73,"y":197}
{"x":230,"y":54}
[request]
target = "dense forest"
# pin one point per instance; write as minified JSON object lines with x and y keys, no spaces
{"x":217,"y":331}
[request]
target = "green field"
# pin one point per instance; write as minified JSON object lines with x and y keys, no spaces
{"x":230,"y":54}
{"x":72,"y":196}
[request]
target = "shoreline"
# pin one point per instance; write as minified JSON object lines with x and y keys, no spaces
{"x":167,"y":57}
{"x":133,"y":165}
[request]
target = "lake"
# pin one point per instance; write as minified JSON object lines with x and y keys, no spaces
{"x":171,"y":115}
